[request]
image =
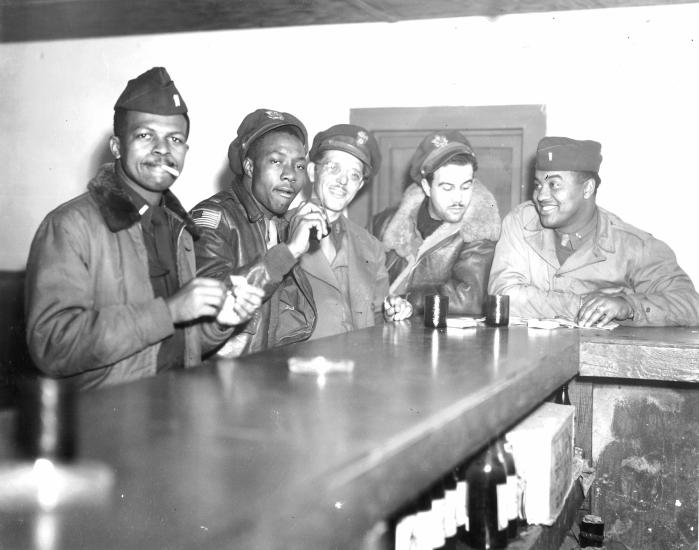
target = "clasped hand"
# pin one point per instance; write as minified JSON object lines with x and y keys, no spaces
{"x":599,"y":309}
{"x":205,"y":297}
{"x":396,"y":308}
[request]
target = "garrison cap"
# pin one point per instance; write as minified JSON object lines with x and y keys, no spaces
{"x":152,"y":92}
{"x":435,"y":150}
{"x":257,"y":124}
{"x":355,"y":140}
{"x":562,"y":153}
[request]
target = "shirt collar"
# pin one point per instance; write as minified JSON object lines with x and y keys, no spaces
{"x":578,"y":238}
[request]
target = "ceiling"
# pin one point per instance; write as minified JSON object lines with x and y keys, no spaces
{"x":22,"y":20}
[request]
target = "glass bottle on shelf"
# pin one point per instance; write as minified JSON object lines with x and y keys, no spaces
{"x":562,"y":397}
{"x":487,"y":501}
{"x":403,"y":534}
{"x":437,"y":536}
{"x":513,"y":487}
{"x":461,"y":511}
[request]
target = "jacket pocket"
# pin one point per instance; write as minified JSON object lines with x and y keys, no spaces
{"x":293,"y":323}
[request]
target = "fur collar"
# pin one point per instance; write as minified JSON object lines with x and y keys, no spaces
{"x":117,"y":209}
{"x":480,"y":222}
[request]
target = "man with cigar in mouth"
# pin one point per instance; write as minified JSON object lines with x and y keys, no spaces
{"x":111,"y":294}
{"x":346,"y":268}
{"x":245,"y":231}
{"x":441,"y":238}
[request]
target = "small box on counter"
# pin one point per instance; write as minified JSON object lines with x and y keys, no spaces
{"x":542,"y":445}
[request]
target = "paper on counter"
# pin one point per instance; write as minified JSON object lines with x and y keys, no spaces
{"x":549,"y":324}
{"x":546,"y":324}
{"x":462,"y":322}
{"x":319,"y":365}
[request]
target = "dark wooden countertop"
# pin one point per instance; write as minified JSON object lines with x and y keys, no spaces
{"x":668,"y":354}
{"x":244,"y":454}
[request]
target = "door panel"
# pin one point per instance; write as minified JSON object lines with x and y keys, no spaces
{"x":504,"y":139}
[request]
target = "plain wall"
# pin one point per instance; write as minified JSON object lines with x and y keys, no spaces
{"x":625,"y":77}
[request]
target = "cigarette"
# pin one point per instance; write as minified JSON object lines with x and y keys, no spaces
{"x":170,"y":170}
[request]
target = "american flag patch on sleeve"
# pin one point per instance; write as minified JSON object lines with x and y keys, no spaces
{"x":206,"y":218}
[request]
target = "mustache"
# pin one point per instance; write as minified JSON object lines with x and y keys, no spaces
{"x":165,"y":161}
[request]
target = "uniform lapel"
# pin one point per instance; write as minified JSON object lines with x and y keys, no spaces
{"x":360,"y":272}
{"x":541,"y":240}
{"x":316,"y":264}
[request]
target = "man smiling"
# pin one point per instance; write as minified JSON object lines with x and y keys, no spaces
{"x":346,"y":268}
{"x":441,"y":238}
{"x":245,"y":233}
{"x":560,"y":255}
{"x":110,"y":290}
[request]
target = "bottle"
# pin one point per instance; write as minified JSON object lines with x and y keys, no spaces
{"x":561,"y":396}
{"x":404,"y":529}
{"x":512,"y":491}
{"x":422,"y":531}
{"x":487,"y":501}
{"x":521,"y":490}
{"x":437,"y":535}
{"x":451,"y":501}
{"x":592,"y":531}
{"x":461,"y":511}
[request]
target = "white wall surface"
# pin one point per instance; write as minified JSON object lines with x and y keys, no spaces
{"x":626,"y":77}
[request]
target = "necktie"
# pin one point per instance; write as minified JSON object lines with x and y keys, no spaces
{"x":328,"y":248}
{"x":272,"y":233}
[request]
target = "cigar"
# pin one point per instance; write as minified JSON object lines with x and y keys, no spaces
{"x":170,"y":170}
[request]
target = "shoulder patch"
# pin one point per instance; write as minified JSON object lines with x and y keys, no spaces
{"x":203,"y":217}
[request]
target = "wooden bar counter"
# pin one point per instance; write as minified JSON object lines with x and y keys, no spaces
{"x":244,"y":454}
{"x":637,"y":403}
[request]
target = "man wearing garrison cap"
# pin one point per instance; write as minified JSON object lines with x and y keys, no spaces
{"x":244,"y":230}
{"x":111,"y":293}
{"x":561,"y":255}
{"x":346,"y":267}
{"x":441,"y":237}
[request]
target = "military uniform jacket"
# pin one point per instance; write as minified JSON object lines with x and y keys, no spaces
{"x":90,"y":308}
{"x":619,"y":258}
{"x":233,"y":242}
{"x":367,"y":275}
{"x":454,"y":260}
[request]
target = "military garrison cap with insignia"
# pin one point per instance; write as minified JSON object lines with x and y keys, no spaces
{"x":351,"y":139}
{"x":436,"y":149}
{"x":152,"y":92}
{"x":562,"y":153}
{"x":254,"y":126}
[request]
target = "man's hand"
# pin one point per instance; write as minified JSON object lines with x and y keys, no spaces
{"x":200,"y":297}
{"x":309,"y":215}
{"x":241,"y":302}
{"x":396,"y":308}
{"x":600,"y":309}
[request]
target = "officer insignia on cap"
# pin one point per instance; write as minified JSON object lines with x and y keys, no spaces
{"x":550,"y":156}
{"x":176,"y":99}
{"x":274,"y":115}
{"x":440,"y":141}
{"x":362,"y":137}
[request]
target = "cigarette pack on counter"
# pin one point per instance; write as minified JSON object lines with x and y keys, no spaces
{"x":542,"y":445}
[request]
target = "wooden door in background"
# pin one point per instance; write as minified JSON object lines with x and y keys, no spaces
{"x":503,"y":137}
